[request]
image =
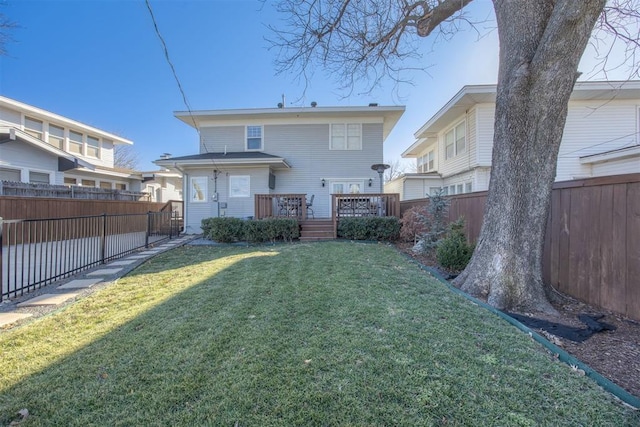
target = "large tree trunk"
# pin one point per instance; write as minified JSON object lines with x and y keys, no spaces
{"x":541,"y":43}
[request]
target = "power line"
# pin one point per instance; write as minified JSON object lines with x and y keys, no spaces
{"x":630,"y":144}
{"x":175,"y":75}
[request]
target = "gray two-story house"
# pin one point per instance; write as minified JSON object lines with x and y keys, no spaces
{"x":309,"y":153}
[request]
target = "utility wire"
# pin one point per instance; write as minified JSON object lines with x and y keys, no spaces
{"x":175,"y":75}
{"x":630,"y":144}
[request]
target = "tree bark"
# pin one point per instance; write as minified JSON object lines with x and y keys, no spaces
{"x":541,"y":43}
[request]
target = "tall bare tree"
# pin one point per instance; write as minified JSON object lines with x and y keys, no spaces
{"x":541,"y":43}
{"x":6,"y":27}
{"x":126,"y":157}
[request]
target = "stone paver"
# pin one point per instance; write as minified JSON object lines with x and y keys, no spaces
{"x":9,"y":318}
{"x":104,"y":272}
{"x":150,"y":252}
{"x":137,"y":257}
{"x":80,"y":284}
{"x":47,"y":299}
{"x":123,"y":262}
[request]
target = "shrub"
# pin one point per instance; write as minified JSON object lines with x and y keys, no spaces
{"x":453,"y":252}
{"x":435,"y":223}
{"x":228,"y":229}
{"x":223,"y":229}
{"x":369,"y":228}
{"x":413,"y":224}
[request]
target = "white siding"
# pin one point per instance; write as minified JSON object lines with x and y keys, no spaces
{"x":594,"y":128}
{"x":416,"y":188}
{"x":460,"y":162}
{"x":395,"y":186}
{"x":616,"y":167}
{"x":485,"y":117}
{"x":26,"y":158}
{"x":10,"y":117}
{"x":472,"y":137}
{"x":481,"y":179}
{"x":462,"y":178}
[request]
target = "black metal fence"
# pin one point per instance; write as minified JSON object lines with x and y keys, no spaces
{"x":36,"y":252}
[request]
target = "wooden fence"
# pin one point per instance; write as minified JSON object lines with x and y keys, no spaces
{"x":592,"y":244}
{"x":13,"y":207}
{"x":25,"y":189}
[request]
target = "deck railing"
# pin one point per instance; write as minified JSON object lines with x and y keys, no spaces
{"x":281,"y":206}
{"x":359,"y":205}
{"x":36,"y":252}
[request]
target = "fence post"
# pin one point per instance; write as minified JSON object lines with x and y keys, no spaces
{"x":103,"y":239}
{"x":146,"y":238}
{"x":170,"y":225}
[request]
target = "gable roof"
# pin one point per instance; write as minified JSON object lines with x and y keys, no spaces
{"x":472,"y":95}
{"x":388,"y":115}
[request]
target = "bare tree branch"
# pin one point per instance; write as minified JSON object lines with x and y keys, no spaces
{"x":358,"y":40}
{"x":6,"y":27}
{"x":126,"y":157}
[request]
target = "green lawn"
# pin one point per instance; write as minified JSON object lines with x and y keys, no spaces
{"x":330,"y":334}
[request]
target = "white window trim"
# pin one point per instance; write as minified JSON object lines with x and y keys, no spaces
{"x":240,"y":192}
{"x":345,"y":124}
{"x":246,"y":138}
{"x":347,"y":182}
{"x":198,"y":193}
{"x":444,"y":139}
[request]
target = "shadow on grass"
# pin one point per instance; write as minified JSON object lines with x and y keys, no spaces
{"x":331,"y":333}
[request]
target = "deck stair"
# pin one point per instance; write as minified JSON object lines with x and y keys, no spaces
{"x":316,"y":229}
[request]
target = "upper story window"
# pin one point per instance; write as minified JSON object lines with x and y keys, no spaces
{"x":93,"y":146}
{"x":254,"y":138}
{"x":75,"y":142}
{"x":34,"y":127}
{"x":56,"y":136}
{"x":426,"y":163}
{"x":455,"y":141}
{"x":346,"y":136}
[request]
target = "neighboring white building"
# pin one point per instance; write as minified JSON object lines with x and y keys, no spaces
{"x":453,"y":148}
{"x":38,"y":146}
{"x":162,"y":186}
{"x":315,"y":151}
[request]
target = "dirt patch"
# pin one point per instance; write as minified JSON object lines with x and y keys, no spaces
{"x":613,"y":354}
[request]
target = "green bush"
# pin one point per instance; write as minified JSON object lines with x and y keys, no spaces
{"x":223,"y":229}
{"x":453,"y":252}
{"x":228,"y":229}
{"x":369,"y":228}
{"x":271,"y":230}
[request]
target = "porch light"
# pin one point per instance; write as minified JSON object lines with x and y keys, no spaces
{"x":322,"y":181}
{"x":370,"y":182}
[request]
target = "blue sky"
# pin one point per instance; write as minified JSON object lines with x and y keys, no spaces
{"x":100,"y":62}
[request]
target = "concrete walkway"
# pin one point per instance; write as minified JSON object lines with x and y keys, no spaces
{"x":51,"y":297}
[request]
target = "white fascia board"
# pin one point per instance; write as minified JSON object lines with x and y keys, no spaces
{"x":221,"y":162}
{"x":57,"y":119}
{"x":624,"y":153}
{"x":467,"y":96}
{"x":38,"y":143}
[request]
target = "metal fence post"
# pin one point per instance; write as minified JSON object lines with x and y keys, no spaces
{"x":103,"y":239}
{"x":146,"y":238}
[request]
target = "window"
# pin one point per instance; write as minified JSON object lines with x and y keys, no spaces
{"x":239,"y":186}
{"x":346,"y":136}
{"x":468,"y":187}
{"x":56,"y":137}
{"x":459,"y":189}
{"x":75,"y":142}
{"x":105,"y":185}
{"x":199,"y":189}
{"x":33,"y":127}
{"x":38,"y":177}
{"x":452,"y":190}
{"x":93,"y":146}
{"x":426,"y":163}
{"x":346,"y":187}
{"x":88,"y":183}
{"x":433,"y":191}
{"x":254,"y":137}
{"x":70,"y":181}
{"x":120,"y":186}
{"x":7,"y":174}
{"x":455,"y":141}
